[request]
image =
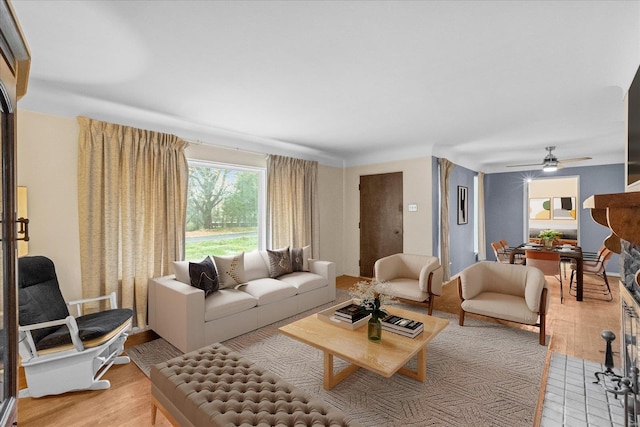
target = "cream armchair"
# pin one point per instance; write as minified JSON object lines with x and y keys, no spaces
{"x":504,"y":291}
{"x":409,"y":277}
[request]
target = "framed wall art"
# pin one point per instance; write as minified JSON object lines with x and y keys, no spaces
{"x":564,"y":208}
{"x":463,"y":204}
{"x":540,"y":208}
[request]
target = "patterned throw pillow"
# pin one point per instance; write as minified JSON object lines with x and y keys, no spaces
{"x":300,"y":258}
{"x":230,"y":270}
{"x":203,"y":276}
{"x":279,"y":262}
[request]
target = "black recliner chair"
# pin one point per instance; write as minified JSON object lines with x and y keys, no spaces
{"x":60,"y":352}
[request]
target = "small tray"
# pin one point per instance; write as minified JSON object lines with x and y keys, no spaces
{"x":327,"y":314}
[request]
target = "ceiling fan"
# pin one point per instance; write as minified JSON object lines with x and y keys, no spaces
{"x":551,"y":163}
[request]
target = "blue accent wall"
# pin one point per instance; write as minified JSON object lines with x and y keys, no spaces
{"x":505,"y":204}
{"x":461,"y":252}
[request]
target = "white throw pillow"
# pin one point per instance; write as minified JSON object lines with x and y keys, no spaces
{"x":230,"y":270}
{"x":181,"y":270}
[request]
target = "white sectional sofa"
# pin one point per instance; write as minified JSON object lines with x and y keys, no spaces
{"x":181,"y":314}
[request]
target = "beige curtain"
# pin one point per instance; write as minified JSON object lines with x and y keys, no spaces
{"x":132,"y":192}
{"x":292,"y":208}
{"x":482,"y":240}
{"x":446,"y":167}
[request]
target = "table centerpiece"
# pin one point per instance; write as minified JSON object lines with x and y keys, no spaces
{"x":371,"y":297}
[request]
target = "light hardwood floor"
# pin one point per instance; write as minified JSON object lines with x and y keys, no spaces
{"x":574,"y":329}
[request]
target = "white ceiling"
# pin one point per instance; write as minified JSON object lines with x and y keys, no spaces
{"x":482,"y":83}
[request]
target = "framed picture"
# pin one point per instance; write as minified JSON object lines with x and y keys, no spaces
{"x":564,"y":208}
{"x":463,"y":205}
{"x":540,"y":208}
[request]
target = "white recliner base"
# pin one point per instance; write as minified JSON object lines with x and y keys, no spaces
{"x":71,"y":370}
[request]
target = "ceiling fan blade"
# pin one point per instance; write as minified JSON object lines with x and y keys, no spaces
{"x":575,"y":159}
{"x":530,"y":164}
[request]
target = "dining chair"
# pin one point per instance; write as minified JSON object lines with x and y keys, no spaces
{"x":595,"y":267}
{"x":501,"y":255}
{"x":518,"y":258}
{"x":548,"y":263}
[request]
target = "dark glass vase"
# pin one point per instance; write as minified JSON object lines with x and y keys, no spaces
{"x":374,"y":329}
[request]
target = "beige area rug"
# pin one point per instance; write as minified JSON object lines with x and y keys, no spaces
{"x":481,"y":374}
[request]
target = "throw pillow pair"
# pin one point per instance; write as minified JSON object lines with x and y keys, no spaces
{"x":229,"y":273}
{"x":285,"y":261}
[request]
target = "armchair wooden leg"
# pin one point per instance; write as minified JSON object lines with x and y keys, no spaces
{"x":543,"y":334}
{"x":430,"y":309}
{"x":461,"y":319}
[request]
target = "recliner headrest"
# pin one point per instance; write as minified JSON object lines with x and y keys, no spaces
{"x":33,"y":270}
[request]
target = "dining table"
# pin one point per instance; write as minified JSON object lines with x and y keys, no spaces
{"x":566,"y":252}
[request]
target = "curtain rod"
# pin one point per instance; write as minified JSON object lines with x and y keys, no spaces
{"x":198,"y":142}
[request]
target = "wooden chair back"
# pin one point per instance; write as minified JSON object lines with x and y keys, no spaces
{"x":547,"y":262}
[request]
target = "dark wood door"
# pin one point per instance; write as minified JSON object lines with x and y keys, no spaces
{"x":380,"y":218}
{"x":14,"y":70}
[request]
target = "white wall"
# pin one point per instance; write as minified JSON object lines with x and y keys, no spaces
{"x":416,"y":178}
{"x":330,"y":200}
{"x":47,"y":166}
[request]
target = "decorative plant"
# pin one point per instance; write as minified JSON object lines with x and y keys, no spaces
{"x":372,"y":297}
{"x":549,"y":234}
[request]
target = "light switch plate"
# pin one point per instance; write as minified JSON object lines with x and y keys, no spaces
{"x":413,"y":207}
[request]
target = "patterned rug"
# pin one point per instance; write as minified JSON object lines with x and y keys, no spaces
{"x":481,"y":374}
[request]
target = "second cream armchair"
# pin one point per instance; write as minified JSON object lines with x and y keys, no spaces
{"x":410,"y":277}
{"x":504,"y":291}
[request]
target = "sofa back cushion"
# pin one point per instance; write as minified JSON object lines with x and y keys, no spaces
{"x":254,"y":266}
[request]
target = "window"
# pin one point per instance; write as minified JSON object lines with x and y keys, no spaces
{"x":225,"y":210}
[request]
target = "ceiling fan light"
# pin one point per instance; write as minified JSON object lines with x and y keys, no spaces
{"x":550,"y":167}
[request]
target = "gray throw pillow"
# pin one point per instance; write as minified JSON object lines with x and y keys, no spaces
{"x":300,"y":258}
{"x":279,"y":262}
{"x":203,"y":276}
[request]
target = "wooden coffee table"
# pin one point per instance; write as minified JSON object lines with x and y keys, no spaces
{"x":385,"y":358}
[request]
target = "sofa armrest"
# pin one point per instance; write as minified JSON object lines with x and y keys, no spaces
{"x":534,"y":284}
{"x":470,"y":281}
{"x":326,"y":269}
{"x":176,"y":312}
{"x":431,"y":279}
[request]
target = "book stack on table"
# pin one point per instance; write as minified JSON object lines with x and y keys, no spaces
{"x":351,"y":313}
{"x":402,"y":326}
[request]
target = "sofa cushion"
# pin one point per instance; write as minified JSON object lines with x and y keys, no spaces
{"x":181,"y":270}
{"x":226,"y":302}
{"x":501,"y":306}
{"x":268,"y":290}
{"x":304,"y":281}
{"x":203,"y":276}
{"x":255,"y":266}
{"x":279,"y":262}
{"x":230,"y":270}
{"x":300,"y":258}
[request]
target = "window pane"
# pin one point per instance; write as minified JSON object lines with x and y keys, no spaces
{"x":222,"y":211}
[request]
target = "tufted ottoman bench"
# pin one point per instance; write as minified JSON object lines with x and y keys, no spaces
{"x":215,"y":386}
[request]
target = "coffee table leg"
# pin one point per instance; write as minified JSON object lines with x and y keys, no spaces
{"x":331,"y":379}
{"x":419,"y":374}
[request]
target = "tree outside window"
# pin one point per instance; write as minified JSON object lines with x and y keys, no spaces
{"x":223,"y":210}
